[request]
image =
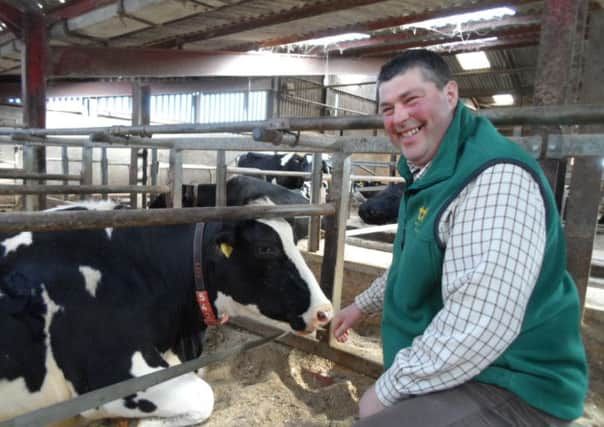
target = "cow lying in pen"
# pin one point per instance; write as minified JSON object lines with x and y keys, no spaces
{"x":84,"y":309}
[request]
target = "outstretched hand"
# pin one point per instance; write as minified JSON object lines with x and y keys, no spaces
{"x":369,"y":403}
{"x":344,"y":320}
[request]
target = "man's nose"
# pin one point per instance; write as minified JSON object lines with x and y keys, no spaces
{"x":400,"y":114}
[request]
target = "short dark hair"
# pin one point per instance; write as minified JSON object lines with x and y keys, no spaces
{"x":432,"y":65}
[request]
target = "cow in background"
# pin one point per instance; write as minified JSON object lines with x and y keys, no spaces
{"x":383,"y":207}
{"x":239,"y":190}
{"x":291,"y":162}
{"x":84,"y":309}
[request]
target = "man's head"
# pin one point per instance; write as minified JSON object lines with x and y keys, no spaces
{"x":417,"y":99}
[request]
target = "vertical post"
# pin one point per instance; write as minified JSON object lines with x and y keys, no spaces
{"x":273,"y":105}
{"x":221,"y":176}
{"x":314,"y":232}
{"x":553,"y":79}
{"x":584,"y":193}
{"x":175,"y":178}
{"x":33,"y":82}
{"x":30,"y":203}
{"x":104,"y":170}
{"x":332,"y":269}
{"x":141,"y":107}
{"x":86,"y":171}
{"x":65,"y":165}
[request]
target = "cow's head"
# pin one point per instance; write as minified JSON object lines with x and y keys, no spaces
{"x":257,"y":268}
{"x":383,"y":207}
{"x":295,"y":163}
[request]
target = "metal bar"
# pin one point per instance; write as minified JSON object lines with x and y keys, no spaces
{"x":33,"y":81}
{"x":60,"y":411}
{"x":65,"y":164}
{"x":369,"y":244}
{"x":545,"y":115}
{"x":314,"y":230}
{"x":105,"y":169}
{"x":78,"y":189}
{"x":12,"y":18}
{"x":86,"y":170}
{"x":221,"y":178}
{"x":175,"y":178}
{"x":74,"y":220}
{"x":310,"y":345}
{"x":22,"y":174}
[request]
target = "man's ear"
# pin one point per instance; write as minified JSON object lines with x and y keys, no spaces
{"x":452,"y":93}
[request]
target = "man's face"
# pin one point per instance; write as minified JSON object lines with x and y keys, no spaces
{"x":416,"y":113}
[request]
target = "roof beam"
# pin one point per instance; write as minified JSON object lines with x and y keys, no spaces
{"x":96,"y":62}
{"x":319,"y":8}
{"x":75,"y":8}
{"x":12,"y":18}
{"x":382,"y":23}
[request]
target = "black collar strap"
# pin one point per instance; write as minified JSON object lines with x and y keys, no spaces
{"x":201,"y":293}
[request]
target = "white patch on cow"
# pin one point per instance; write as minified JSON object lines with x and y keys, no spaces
{"x":13,"y":243}
{"x":109,"y":231}
{"x":90,"y":205}
{"x":17,"y":399}
{"x":92,"y":278}
{"x":318,"y":300}
{"x":227,"y":305}
{"x":181,"y":401}
{"x":286,"y":158}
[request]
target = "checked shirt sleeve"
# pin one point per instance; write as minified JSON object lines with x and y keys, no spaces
{"x":372,"y":299}
{"x":494,"y":234}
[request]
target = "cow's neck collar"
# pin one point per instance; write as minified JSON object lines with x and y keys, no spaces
{"x":209,"y":317}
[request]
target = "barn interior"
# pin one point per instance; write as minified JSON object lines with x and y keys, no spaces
{"x":93,"y":94}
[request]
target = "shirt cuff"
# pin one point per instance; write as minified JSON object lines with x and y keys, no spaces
{"x":385,"y":388}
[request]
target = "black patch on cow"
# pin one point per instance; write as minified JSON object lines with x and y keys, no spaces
{"x":383,"y":207}
{"x":22,"y":340}
{"x":295,"y":163}
{"x":143,"y":405}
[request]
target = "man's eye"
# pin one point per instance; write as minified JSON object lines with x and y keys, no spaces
{"x":387,"y":111}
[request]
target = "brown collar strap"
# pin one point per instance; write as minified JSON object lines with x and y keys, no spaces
{"x":201,"y":293}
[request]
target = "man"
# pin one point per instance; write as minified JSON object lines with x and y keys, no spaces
{"x":480,"y":320}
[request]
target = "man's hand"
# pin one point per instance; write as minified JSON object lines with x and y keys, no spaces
{"x":369,"y":403}
{"x":345,"y":320}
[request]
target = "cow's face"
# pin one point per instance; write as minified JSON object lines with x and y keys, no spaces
{"x":261,"y":270}
{"x":383,"y":207}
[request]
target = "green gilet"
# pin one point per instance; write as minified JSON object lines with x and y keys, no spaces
{"x":546,"y":364}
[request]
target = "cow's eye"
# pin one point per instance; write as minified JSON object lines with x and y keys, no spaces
{"x":266,"y":251}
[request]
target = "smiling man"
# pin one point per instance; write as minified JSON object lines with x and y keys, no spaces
{"x":480,"y":318}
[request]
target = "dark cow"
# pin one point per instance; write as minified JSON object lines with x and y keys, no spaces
{"x":240,"y":189}
{"x":84,"y":309}
{"x":383,"y":207}
{"x":281,"y":162}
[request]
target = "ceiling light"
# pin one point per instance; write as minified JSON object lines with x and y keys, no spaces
{"x":325,"y":41}
{"x":463,"y":18}
{"x":473,"y":60}
{"x":503,"y":99}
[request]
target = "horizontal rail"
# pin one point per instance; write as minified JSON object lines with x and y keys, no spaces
{"x":81,"y":189}
{"x":60,"y":411}
{"x":546,"y":115}
{"x":77,"y":220}
{"x":23,"y":174}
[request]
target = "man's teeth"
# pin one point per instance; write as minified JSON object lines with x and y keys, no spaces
{"x":411,"y":132}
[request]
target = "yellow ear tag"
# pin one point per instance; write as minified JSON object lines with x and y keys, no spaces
{"x":226,"y":249}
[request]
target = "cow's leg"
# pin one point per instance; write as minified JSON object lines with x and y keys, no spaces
{"x":181,"y":401}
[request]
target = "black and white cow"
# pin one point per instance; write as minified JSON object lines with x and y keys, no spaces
{"x":84,"y":309}
{"x":383,"y":207}
{"x":240,"y":189}
{"x":281,"y":162}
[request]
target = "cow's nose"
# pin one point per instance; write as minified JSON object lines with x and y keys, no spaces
{"x":324,"y":314}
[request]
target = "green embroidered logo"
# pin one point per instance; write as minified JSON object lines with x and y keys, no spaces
{"x":423,"y":211}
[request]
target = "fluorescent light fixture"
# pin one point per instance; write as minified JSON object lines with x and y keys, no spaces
{"x":325,"y":41}
{"x":473,"y":60}
{"x":451,"y":45}
{"x":463,"y":18}
{"x":503,"y":99}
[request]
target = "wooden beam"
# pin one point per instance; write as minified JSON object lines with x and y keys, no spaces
{"x":12,"y":18}
{"x":110,"y":62}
